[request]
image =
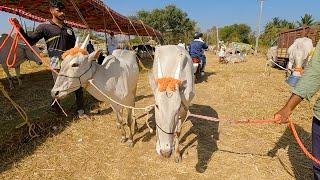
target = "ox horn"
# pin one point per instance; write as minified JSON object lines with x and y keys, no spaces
{"x":160,"y":75}
{"x":85,"y":42}
{"x":77,"y":44}
{"x":177,"y":73}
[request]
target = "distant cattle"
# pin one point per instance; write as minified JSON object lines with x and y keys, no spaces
{"x":299,"y":52}
{"x":144,"y":51}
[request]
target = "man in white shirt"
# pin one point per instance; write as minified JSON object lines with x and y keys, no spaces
{"x":182,"y":44}
{"x":112,"y":43}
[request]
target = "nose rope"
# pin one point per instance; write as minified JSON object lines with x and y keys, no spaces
{"x":56,"y":101}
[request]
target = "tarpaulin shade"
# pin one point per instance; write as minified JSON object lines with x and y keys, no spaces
{"x":97,"y":16}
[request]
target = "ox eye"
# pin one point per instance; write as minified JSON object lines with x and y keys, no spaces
{"x":75,"y":65}
{"x":157,"y":106}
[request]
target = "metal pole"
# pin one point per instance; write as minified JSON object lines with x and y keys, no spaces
{"x":258,"y":27}
{"x":217,"y":29}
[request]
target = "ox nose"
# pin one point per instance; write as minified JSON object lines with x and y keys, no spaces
{"x":55,"y":94}
{"x":165,"y":153}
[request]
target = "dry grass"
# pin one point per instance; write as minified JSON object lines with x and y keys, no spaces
{"x":90,"y":149}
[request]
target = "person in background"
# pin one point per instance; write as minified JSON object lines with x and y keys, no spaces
{"x":196,"y":50}
{"x":222,"y":54}
{"x":90,"y":48}
{"x":182,"y":44}
{"x":112,"y":43}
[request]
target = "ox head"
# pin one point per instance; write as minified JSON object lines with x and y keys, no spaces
{"x":27,"y":52}
{"x":31,"y":55}
{"x":76,"y":70}
{"x":168,"y":103}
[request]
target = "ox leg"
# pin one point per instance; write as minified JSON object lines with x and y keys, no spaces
{"x":123,"y":131}
{"x":129,"y":124}
{"x":177,"y":154}
{"x":119,"y":120}
{"x":6,"y":70}
{"x":17,"y":69}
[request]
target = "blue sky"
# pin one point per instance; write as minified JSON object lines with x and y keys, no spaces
{"x":214,"y":12}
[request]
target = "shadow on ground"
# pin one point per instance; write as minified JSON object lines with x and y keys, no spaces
{"x":206,"y":135}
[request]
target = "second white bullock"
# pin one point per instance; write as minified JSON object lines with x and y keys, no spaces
{"x":298,"y":53}
{"x":23,"y":53}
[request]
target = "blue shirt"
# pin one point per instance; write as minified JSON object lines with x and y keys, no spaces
{"x":196,"y":47}
{"x":90,"y":48}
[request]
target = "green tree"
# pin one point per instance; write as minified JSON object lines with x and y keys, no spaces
{"x":306,"y":20}
{"x":235,"y":33}
{"x":172,"y":22}
{"x":272,"y":30}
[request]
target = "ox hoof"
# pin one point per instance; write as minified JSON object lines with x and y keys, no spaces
{"x":135,"y":129}
{"x":130,"y":143}
{"x":177,"y":158}
{"x":118,"y":126}
{"x":123,"y":139}
{"x":20,"y":82}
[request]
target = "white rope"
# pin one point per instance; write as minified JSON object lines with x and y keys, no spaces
{"x":147,"y":109}
{"x":279,"y":65}
{"x":56,"y":101}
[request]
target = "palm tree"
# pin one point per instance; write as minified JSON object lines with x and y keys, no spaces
{"x":306,"y":20}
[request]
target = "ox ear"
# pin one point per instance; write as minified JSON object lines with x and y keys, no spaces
{"x":94,"y":55}
{"x":152,"y":82}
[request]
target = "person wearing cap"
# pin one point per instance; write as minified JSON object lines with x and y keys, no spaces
{"x":196,"y":50}
{"x":306,"y":88}
{"x":59,"y":38}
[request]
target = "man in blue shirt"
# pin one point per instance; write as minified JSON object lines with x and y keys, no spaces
{"x":196,"y":49}
{"x":90,"y":47}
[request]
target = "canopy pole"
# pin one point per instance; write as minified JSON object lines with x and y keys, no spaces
{"x":105,"y":30}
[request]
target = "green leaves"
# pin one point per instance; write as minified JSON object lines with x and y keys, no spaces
{"x":235,"y":33}
{"x":171,"y":21}
{"x":306,"y":20}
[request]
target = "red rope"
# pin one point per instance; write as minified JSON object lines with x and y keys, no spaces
{"x":13,"y":50}
{"x":16,"y":26}
{"x":303,"y":148}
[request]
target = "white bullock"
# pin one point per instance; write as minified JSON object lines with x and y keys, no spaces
{"x":172,"y":82}
{"x":117,"y":78}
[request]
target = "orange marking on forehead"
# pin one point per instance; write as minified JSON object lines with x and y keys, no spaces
{"x":168,"y":84}
{"x":73,"y":52}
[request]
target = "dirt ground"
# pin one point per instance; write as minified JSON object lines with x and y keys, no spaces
{"x":69,"y":148}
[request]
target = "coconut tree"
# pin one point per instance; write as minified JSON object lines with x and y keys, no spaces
{"x":306,"y":20}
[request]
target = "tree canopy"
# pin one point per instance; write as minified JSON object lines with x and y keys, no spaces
{"x":306,"y":20}
{"x":171,"y":21}
{"x":235,"y":33}
{"x":273,"y":28}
